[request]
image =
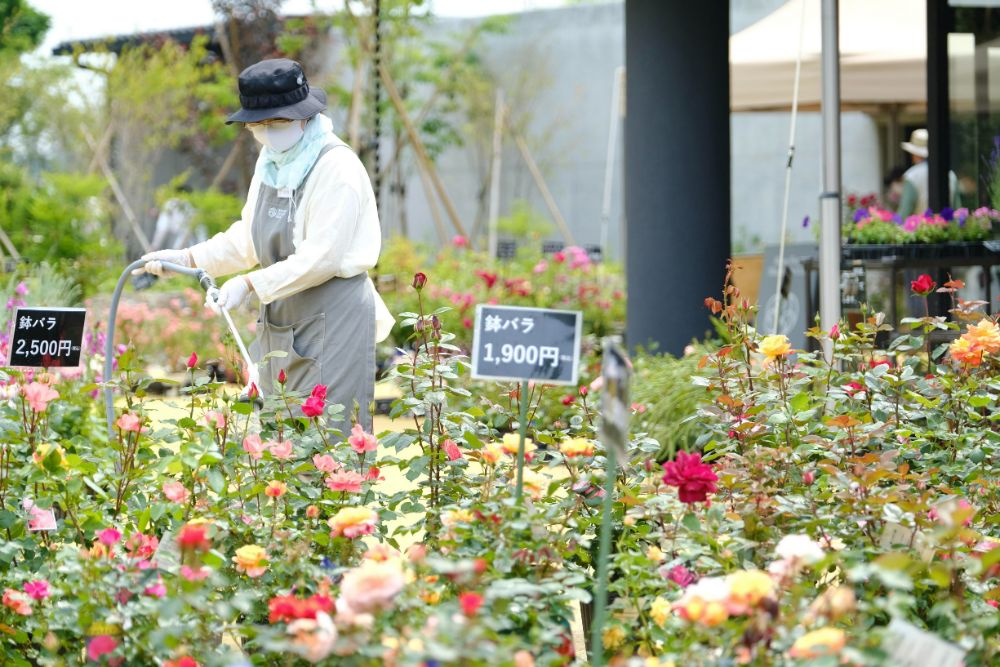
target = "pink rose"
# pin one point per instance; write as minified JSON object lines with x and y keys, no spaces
{"x":373,"y":585}
{"x":100,"y":646}
{"x":38,"y":396}
{"x":157,"y":590}
{"x":345,"y":480}
{"x":175,"y":492}
{"x":282,"y":449}
{"x":129,"y":422}
{"x":325,"y":463}
{"x":38,"y":519}
{"x":451,"y":449}
{"x":109,"y":536}
{"x":215,"y":419}
{"x":37,"y":589}
{"x":253,"y":446}
{"x":362,"y":442}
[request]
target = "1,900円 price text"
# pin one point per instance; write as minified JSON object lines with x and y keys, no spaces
{"x":535,"y":355}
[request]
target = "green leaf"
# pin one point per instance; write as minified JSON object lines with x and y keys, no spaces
{"x":216,"y":481}
{"x":691,"y":522}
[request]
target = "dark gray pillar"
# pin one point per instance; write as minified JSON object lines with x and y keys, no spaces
{"x":676,"y":167}
{"x":938,"y":111}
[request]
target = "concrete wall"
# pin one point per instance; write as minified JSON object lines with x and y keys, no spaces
{"x":559,"y":64}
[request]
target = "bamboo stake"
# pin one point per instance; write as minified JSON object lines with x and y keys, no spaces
{"x":116,"y":189}
{"x":418,"y":147}
{"x":432,"y":202}
{"x":230,"y":160}
{"x":102,"y":146}
{"x":536,"y":174}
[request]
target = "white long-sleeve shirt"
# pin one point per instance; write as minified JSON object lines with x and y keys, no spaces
{"x":336,"y":234}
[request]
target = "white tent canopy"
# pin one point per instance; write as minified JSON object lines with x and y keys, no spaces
{"x":883,"y":56}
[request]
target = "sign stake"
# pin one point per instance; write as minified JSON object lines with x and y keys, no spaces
{"x":617,"y":373}
{"x":522,"y":430}
{"x":604,"y":554}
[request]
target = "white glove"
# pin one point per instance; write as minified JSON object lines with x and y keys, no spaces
{"x":231,"y":295}
{"x":155,"y":259}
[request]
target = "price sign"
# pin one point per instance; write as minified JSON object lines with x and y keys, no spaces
{"x":512,"y":343}
{"x":47,"y":337}
{"x":909,"y":646}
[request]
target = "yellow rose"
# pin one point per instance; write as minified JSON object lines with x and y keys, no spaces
{"x":613,"y":636}
{"x":660,"y":611}
{"x":352,"y":522}
{"x":451,"y":517}
{"x":654,"y":553}
{"x":251,"y":559}
{"x":747,"y":588}
{"x":774,"y":346}
{"x":491,"y":452}
{"x":815,"y":644}
{"x":510,"y":444}
{"x":577,"y":447}
{"x":985,"y":336}
{"x":535,"y":484}
{"x":43,"y":450}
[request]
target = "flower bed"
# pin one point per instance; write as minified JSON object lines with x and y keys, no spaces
{"x":828,"y":495}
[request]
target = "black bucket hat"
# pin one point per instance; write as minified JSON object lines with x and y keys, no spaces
{"x":276,"y":88}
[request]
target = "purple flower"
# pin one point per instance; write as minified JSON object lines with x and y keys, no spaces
{"x":928,"y":214}
{"x":947,"y":213}
{"x":860,"y":215}
{"x":805,"y":222}
{"x":897,"y":219}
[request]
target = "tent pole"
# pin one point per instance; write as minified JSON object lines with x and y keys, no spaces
{"x":788,"y":175}
{"x":829,"y":246}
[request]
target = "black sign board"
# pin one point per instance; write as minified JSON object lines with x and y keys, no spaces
{"x":512,"y":343}
{"x":47,"y":337}
{"x":615,"y":406}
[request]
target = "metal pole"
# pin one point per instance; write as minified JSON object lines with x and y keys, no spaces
{"x":617,"y":87}
{"x":829,"y":245}
{"x":495,"y":176}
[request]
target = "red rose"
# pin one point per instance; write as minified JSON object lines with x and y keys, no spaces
{"x":194,"y":536}
{"x":923,"y":285}
{"x":282,"y":378}
{"x":489,"y":278}
{"x":192,"y":360}
{"x":419,"y":280}
{"x":471,"y":602}
{"x":694,"y":480}
{"x":319,"y":391}
{"x":313,"y":407}
{"x":568,"y":398}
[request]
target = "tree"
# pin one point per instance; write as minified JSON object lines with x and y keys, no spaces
{"x":21,"y":27}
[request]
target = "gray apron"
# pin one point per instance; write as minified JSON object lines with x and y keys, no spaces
{"x":327,"y":331}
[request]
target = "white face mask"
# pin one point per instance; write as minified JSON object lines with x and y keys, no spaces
{"x":279,"y":137}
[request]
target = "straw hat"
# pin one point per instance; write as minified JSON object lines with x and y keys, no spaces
{"x":917,"y":145}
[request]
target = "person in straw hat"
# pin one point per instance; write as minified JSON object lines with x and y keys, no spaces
{"x":308,"y":235}
{"x":916,"y":180}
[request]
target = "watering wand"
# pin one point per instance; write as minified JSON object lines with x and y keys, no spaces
{"x":208,"y":284}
